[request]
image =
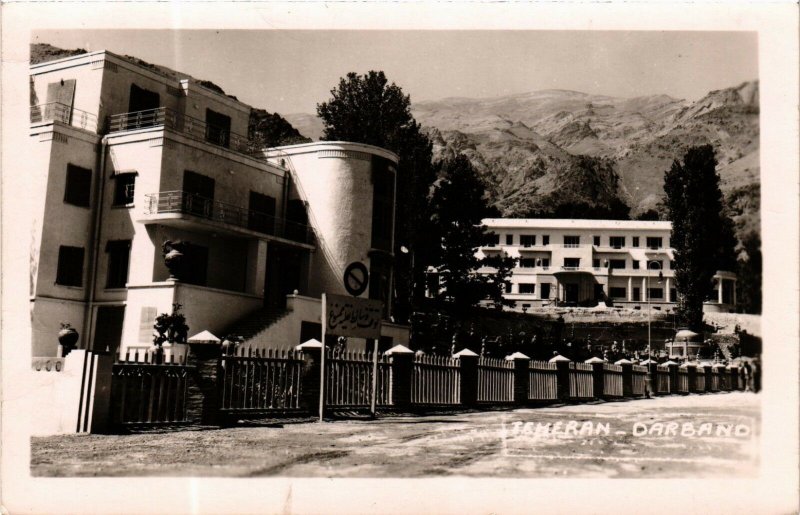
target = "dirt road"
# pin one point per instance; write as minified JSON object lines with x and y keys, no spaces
{"x":714,"y":435}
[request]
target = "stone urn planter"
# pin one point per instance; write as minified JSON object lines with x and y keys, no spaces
{"x":67,"y":338}
{"x":174,"y":253}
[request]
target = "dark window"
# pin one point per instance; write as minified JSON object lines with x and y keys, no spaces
{"x":572,"y":262}
{"x":673,"y":294}
{"x":527,"y":263}
{"x":507,"y":287}
{"x":492,"y":239}
{"x":637,"y":294}
{"x":218,"y":128}
{"x":195,"y":265}
{"x":572,"y":241}
{"x":545,"y":291}
{"x":545,"y":261}
{"x":199,"y":194}
{"x":617,"y":292}
{"x":509,"y":239}
{"x":635,"y":264}
{"x":617,"y":241}
{"x":124,"y":184}
{"x":118,"y":258}
{"x":108,"y":328}
{"x":527,"y":240}
{"x":144,"y":103}
{"x":596,"y":241}
{"x":596,"y":263}
{"x":653,"y":242}
{"x":617,"y":264}
{"x":70,"y":266}
{"x":528,"y":288}
{"x":635,"y":241}
{"x":296,"y":221}
{"x":262,"y":213}
{"x":656,"y":293}
{"x":79,"y":186}
{"x":382,"y":204}
{"x":546,"y":239}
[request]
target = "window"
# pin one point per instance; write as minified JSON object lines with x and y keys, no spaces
{"x":637,"y":294}
{"x":545,"y":262}
{"x":572,"y":241}
{"x":617,"y":241}
{"x":617,"y":264}
{"x":572,"y":262}
{"x":656,"y":293}
{"x":509,"y":239}
{"x":635,"y":264}
{"x":635,"y":241}
{"x":508,"y":287}
{"x":527,"y":263}
{"x":70,"y":266}
{"x":596,"y":263}
{"x":544,"y":290}
{"x":492,"y":239}
{"x":118,"y":259}
{"x":596,"y":241}
{"x":673,"y":294}
{"x":123,"y":188}
{"x":653,"y":242}
{"x":546,"y":239}
{"x":195,"y":264}
{"x":617,"y":292}
{"x":527,"y":240}
{"x":79,"y":186}
{"x":218,"y":128}
{"x":655,"y":264}
{"x":199,"y":193}
{"x":262,"y":213}
{"x":527,"y":288}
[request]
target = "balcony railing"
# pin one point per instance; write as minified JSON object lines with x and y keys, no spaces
{"x":57,"y":112}
{"x":186,"y":125}
{"x":189,"y":203}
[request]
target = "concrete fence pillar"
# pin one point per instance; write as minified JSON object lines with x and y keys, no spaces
{"x":401,"y":376}
{"x":709,"y":377}
{"x":734,"y":371}
{"x":521,"y":377}
{"x":469,"y":377}
{"x":202,"y":397}
{"x":598,"y":383}
{"x":101,"y":403}
{"x":673,"y":377}
{"x":562,"y":376}
{"x":692,"y":372}
{"x":627,"y":377}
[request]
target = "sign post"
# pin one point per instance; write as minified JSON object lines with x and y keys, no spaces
{"x":374,"y":400}
{"x":322,"y":360}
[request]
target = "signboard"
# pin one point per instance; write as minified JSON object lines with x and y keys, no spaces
{"x":356,"y":278}
{"x":349,"y":316}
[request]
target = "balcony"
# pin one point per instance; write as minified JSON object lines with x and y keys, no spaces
{"x":187,"y":126}
{"x":57,"y":112}
{"x":197,"y":207}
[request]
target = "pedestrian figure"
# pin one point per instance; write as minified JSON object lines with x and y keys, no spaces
{"x":756,"y":376}
{"x":747,"y":372}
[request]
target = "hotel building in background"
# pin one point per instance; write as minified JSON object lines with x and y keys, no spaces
{"x":125,"y":156}
{"x":584,"y":262}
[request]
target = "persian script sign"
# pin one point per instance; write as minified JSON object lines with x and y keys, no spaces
{"x":348,"y":316}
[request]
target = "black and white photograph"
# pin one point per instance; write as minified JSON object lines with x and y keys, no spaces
{"x":413,"y":261}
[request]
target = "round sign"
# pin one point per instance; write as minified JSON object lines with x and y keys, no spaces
{"x":356,"y":278}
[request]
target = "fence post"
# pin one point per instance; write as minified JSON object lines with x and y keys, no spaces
{"x":101,"y":406}
{"x":562,"y":376}
{"x":627,"y":377}
{"x":734,"y":378}
{"x":598,"y":382}
{"x":522,"y":377}
{"x":401,"y":376}
{"x":468,"y":361}
{"x":202,"y":397}
{"x":309,"y":378}
{"x":673,"y":376}
{"x":707,"y":371}
{"x":691,"y":370}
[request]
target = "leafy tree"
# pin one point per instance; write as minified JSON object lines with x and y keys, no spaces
{"x":702,"y":235}
{"x":368,"y":109}
{"x":457,"y":208}
{"x":749,"y":272}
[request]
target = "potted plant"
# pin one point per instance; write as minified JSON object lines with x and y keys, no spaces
{"x":68,"y":338}
{"x":169,"y":328}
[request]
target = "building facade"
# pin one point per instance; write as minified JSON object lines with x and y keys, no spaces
{"x":128,"y":160}
{"x":585,"y":262}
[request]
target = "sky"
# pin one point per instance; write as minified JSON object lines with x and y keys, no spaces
{"x":290,"y":71}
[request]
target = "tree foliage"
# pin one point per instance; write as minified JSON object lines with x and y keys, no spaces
{"x":368,"y":109}
{"x":457,"y":208}
{"x":702,"y":235}
{"x":749,"y":273}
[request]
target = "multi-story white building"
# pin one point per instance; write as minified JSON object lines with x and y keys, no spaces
{"x":583,"y":262}
{"x":125,"y":156}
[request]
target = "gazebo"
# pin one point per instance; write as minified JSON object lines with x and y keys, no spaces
{"x":685,"y":345}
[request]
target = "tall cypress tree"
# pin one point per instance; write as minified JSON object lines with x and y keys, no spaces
{"x":702,"y":235}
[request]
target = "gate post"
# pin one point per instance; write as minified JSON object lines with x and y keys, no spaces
{"x":598,"y":383}
{"x":627,"y":377}
{"x":522,"y":377}
{"x":708,"y":372}
{"x":469,"y":376}
{"x":101,"y":406}
{"x":673,"y":376}
{"x":202,"y":397}
{"x":562,"y":376}
{"x":692,"y":372}
{"x":734,"y":378}
{"x":310,"y":377}
{"x":401,"y":376}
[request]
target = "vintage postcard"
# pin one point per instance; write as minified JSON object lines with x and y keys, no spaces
{"x":400,"y":258}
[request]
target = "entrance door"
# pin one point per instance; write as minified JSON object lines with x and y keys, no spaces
{"x":108,"y":328}
{"x":284,"y":268}
{"x":571,"y":293}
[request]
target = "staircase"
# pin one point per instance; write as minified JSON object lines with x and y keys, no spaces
{"x":256,"y":322}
